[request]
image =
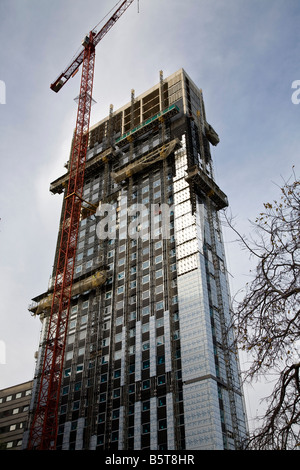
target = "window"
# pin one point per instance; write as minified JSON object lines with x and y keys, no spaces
{"x":69,"y":355}
{"x":89,"y":264}
{"x":106,"y":325}
{"x":107,"y":310}
{"x":159,"y":305}
{"x":158,"y":245}
{"x":118,"y":337}
{"x":146,"y":428}
{"x":161,"y":359}
{"x":131,"y":388}
{"x":120,"y":290}
{"x":145,"y":279}
{"x":145,"y":250}
{"x":132,"y":316}
{"x":146,"y":384}
{"x":158,"y":273}
{"x":103,"y":378}
{"x":145,"y":346}
{"x":161,"y":401}
{"x":161,"y":380}
{"x":146,"y":310}
{"x":160,"y":340}
{"x":108,"y":295}
{"x":102,"y":397}
{"x":71,"y":339}
{"x":77,"y":386}
{"x":146,"y":364}
{"x":162,"y":424}
{"x":118,"y":354}
{"x":146,"y":264}
{"x":159,"y":289}
{"x":158,"y":259}
{"x":176,"y":334}
{"x":105,"y":342}
{"x":146,"y":405}
{"x":145,"y":294}
{"x":132,"y":332}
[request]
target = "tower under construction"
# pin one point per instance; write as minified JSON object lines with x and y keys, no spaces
{"x":149,"y":359}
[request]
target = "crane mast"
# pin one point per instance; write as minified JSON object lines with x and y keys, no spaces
{"x":44,"y":425}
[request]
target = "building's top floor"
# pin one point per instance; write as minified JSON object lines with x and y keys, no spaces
{"x":16,"y":392}
{"x":177,"y":88}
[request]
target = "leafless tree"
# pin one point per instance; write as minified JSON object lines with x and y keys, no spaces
{"x":266,"y":320}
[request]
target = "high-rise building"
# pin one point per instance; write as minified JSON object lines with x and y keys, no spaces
{"x":14,"y":410}
{"x":149,"y":361}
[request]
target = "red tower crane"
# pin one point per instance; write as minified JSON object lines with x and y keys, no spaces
{"x":44,"y":425}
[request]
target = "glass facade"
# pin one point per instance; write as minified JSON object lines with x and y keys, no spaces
{"x":146,"y":360}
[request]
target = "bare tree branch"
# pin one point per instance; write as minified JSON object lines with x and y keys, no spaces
{"x":266,"y":320}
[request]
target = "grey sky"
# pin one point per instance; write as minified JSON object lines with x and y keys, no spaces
{"x":244,"y":54}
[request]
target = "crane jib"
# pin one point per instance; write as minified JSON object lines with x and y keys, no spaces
{"x":71,"y":69}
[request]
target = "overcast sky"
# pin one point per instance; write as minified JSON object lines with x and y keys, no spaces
{"x":244,"y":54}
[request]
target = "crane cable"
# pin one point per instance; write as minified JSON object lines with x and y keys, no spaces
{"x":106,"y":15}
